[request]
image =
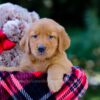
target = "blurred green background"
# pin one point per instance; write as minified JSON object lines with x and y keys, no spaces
{"x":81,"y":19}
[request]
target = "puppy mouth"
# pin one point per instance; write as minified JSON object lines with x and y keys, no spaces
{"x":41,"y":53}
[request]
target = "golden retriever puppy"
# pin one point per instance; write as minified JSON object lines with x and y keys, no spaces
{"x":44,"y":46}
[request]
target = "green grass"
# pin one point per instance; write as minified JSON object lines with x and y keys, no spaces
{"x":93,"y":93}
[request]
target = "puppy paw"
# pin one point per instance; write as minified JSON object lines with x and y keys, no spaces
{"x":55,"y":84}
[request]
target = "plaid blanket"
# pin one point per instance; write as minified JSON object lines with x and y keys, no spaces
{"x":33,"y":86}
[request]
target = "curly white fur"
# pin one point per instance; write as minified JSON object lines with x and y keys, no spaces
{"x":13,"y":21}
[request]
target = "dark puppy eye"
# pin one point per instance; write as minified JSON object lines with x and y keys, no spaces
{"x":35,"y":36}
{"x":50,"y":36}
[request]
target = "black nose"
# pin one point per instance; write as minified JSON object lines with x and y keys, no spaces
{"x":41,"y":48}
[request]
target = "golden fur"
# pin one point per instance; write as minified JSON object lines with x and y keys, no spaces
{"x":54,"y":61}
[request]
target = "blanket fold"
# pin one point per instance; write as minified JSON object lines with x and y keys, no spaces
{"x":33,"y":86}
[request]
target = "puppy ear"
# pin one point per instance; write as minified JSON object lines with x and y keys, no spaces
{"x":24,"y":42}
{"x":64,"y":40}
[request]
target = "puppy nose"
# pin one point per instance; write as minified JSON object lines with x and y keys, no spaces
{"x":41,"y":48}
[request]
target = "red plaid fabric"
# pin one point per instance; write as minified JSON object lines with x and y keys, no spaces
{"x":33,"y":86}
{"x":75,"y":85}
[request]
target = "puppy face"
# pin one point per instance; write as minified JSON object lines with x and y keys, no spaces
{"x":43,"y":44}
{"x":45,"y":39}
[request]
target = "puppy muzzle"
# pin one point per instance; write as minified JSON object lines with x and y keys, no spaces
{"x":41,"y":49}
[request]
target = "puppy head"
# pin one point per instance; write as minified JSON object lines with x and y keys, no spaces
{"x":44,"y":39}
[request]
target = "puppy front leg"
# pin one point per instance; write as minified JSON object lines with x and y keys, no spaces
{"x":55,"y":77}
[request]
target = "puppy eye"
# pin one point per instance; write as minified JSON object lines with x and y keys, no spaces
{"x":50,"y":36}
{"x":35,"y":36}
